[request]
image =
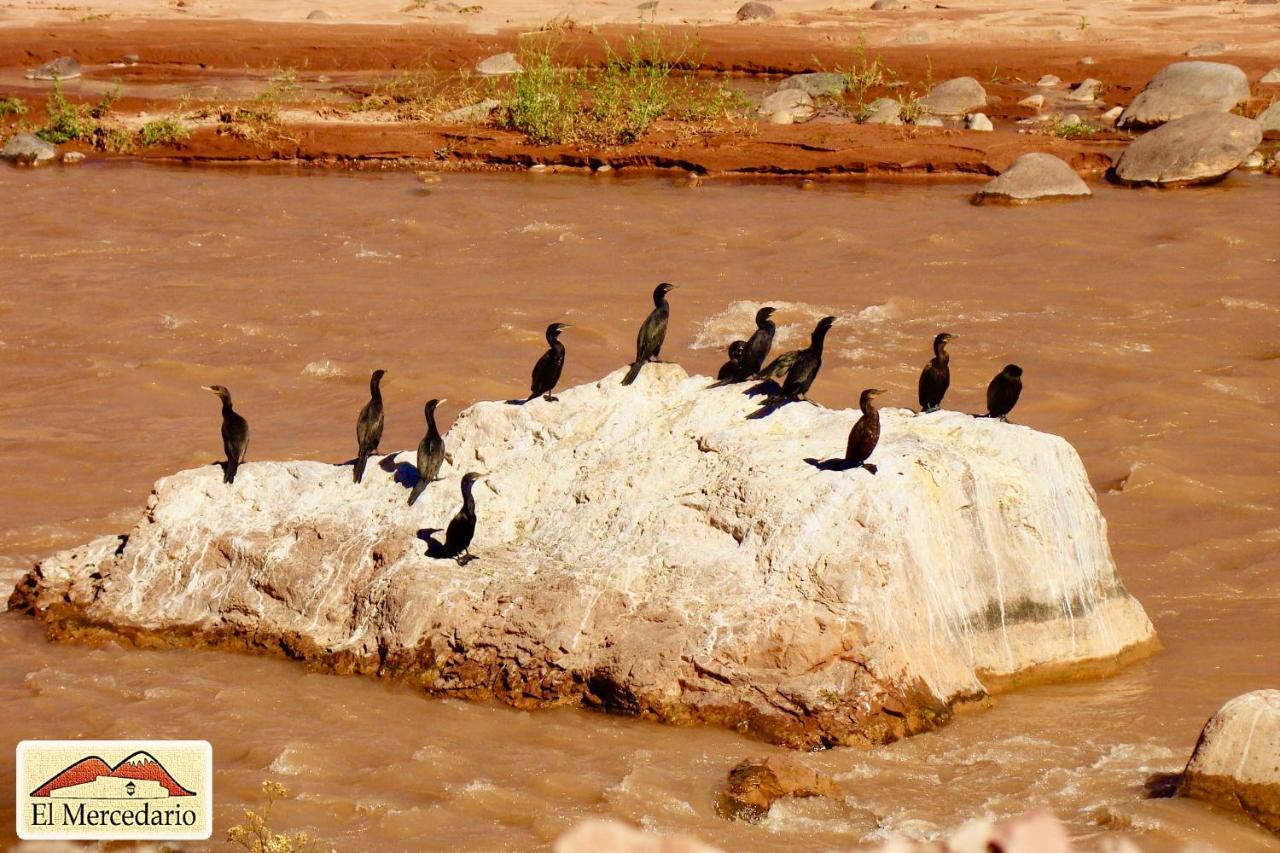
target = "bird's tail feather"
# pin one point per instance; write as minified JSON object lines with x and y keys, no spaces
{"x":358,"y":471}
{"x":229,"y":471}
{"x":418,"y":488}
{"x":632,"y":373}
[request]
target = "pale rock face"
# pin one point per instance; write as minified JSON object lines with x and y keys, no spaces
{"x":817,"y":84}
{"x":499,"y":65}
{"x":1236,"y":764}
{"x":648,"y":550}
{"x":1184,"y":88}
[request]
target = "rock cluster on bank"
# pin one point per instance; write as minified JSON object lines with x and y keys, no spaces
{"x":1236,"y":763}
{"x":650,"y":551}
{"x":1185,"y":88}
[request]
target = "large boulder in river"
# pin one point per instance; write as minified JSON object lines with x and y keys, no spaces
{"x":1033,"y":176}
{"x":1197,"y":149}
{"x":1236,"y":763}
{"x":27,"y":149}
{"x":1184,"y":88}
{"x":648,"y":550}
{"x":755,"y":784}
{"x":955,"y":97}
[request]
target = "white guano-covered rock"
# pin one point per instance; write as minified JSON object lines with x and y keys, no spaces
{"x":1184,"y":88}
{"x":651,"y":551}
{"x":1196,"y":149}
{"x":1033,"y":176}
{"x":1236,"y":763}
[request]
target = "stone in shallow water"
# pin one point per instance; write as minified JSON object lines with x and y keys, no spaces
{"x":1195,"y":149}
{"x":1184,"y":88}
{"x":1236,"y":763}
{"x":1048,"y":81}
{"x":1035,"y":102}
{"x":721,"y":579}
{"x":1031,"y":177}
{"x":955,"y":97}
{"x":62,"y":68}
{"x":499,"y":65}
{"x":755,"y":11}
{"x":1085,"y":92}
{"x":1269,"y":119}
{"x":978,"y":121}
{"x":27,"y":148}
{"x":1271,"y":78}
{"x":755,"y":784}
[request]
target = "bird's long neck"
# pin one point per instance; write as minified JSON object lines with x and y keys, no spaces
{"x":375,"y":392}
{"x":659,"y":300}
{"x":868,"y":407}
{"x":468,"y":501}
{"x":431,"y":423}
{"x":940,"y":352}
{"x":226,"y":405}
{"x":817,"y":341}
{"x":769,"y":326}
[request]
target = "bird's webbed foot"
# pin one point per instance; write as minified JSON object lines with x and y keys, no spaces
{"x":550,"y":399}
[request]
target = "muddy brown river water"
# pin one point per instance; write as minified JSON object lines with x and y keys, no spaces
{"x":1148,"y":324}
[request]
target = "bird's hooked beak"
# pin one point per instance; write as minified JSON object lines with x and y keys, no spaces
{"x":209,"y":388}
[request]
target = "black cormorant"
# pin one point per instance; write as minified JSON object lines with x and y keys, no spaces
{"x":1003,"y":392}
{"x":730,"y":369}
{"x":369,"y":425}
{"x":755,"y":352}
{"x":546,"y":373}
{"x":457,"y":537}
{"x":936,"y":376}
{"x":653,"y":331}
{"x":430,"y":453}
{"x":865,"y":434}
{"x":235,"y":434}
{"x":804,"y":369}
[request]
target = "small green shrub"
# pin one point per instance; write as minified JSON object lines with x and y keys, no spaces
{"x":12,"y":105}
{"x":162,"y":131}
{"x":256,"y":834}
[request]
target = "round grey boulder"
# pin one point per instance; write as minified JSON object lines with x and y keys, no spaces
{"x":1195,"y":149}
{"x":62,"y":68}
{"x":1184,"y":88}
{"x":817,"y":84}
{"x":753,"y":11}
{"x":498,"y":65}
{"x":955,"y":97}
{"x":884,"y":111}
{"x":27,"y":148}
{"x":1031,"y":177}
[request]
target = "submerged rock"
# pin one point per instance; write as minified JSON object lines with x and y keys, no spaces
{"x":955,"y":97}
{"x":1184,"y":88}
{"x":649,"y":551}
{"x":1034,"y":176}
{"x":1086,"y":92}
{"x":1197,"y":149}
{"x":1269,"y":119}
{"x":499,"y":65}
{"x":756,"y":783}
{"x":27,"y":149}
{"x":62,"y":68}
{"x":1236,"y":763}
{"x":817,"y":84}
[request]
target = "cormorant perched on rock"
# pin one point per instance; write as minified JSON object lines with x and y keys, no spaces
{"x":778,"y":368}
{"x":546,"y":373}
{"x":756,"y":350}
{"x":936,"y":376}
{"x":430,"y":453}
{"x":730,"y":369}
{"x":369,"y":426}
{"x":235,"y":434}
{"x":804,"y":369}
{"x":1003,"y":392}
{"x":457,"y":537}
{"x":653,"y":331}
{"x":865,"y":434}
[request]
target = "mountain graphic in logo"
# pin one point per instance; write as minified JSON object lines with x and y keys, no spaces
{"x":139,"y":776}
